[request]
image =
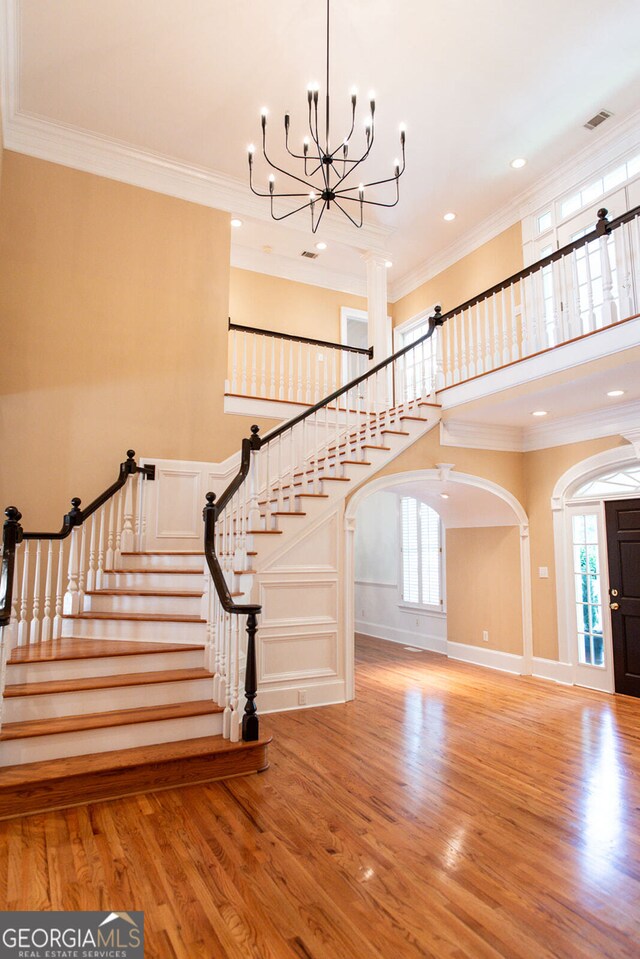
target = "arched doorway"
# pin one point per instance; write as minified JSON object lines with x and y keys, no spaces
{"x":463,"y":502}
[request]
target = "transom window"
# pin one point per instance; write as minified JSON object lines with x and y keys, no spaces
{"x":621,"y":482}
{"x":597,"y":188}
{"x":421,"y":553}
{"x":588,"y":592}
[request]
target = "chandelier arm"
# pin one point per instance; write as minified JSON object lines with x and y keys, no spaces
{"x":296,"y":156}
{"x":389,"y":179}
{"x":286,"y":173}
{"x":316,"y":139}
{"x":357,"y":163}
{"x":354,"y":199}
{"x":314,"y":229}
{"x":291,"y":213}
{"x":348,"y":215}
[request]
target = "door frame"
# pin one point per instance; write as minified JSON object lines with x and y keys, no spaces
{"x":611,"y":531}
{"x":564,"y":505}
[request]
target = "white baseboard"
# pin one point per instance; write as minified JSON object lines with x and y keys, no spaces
{"x":493,"y":658}
{"x":433,"y":644}
{"x":553,"y":670}
{"x":288,"y":697}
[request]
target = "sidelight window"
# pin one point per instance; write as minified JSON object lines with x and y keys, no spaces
{"x":588,"y":589}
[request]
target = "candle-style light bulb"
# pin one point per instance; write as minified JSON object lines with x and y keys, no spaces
{"x":372,"y":102}
{"x":263,"y":117}
{"x":287,"y":120}
{"x":403,"y":132}
{"x":396,"y":164}
{"x":272,"y":181}
{"x":250,"y":151}
{"x":305,"y":145}
{"x":354,"y":96}
{"x":361,"y":190}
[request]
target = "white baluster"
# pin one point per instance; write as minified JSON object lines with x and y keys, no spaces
{"x":591,"y":315}
{"x":23,"y":625}
{"x":234,"y":729}
{"x":464,"y":369}
{"x":299,"y":393}
{"x":308,"y":393}
{"x":91,"y":571}
{"x":71,"y":603}
{"x":456,"y":367}
{"x":101,"y":550}
{"x":496,"y":332}
{"x":515,"y":351}
{"x":472,"y":352}
{"x":126,"y":542}
{"x":609,"y":313}
{"x":111,"y":536}
{"x":81,"y":568}
{"x":479,"y":350}
{"x":290,"y":379}
{"x":243,"y":378}
{"x":263,"y":364}
{"x":117,"y":553}
{"x":46,"y":619}
{"x":254,"y":363}
{"x":34,"y":631}
{"x":448,"y":352}
{"x":488,"y":352}
{"x":506,"y":356}
{"x":234,"y":361}
{"x":57,"y":619}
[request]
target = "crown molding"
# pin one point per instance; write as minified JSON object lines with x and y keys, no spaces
{"x":310,"y":273}
{"x":611,"y":144}
{"x":621,"y":420}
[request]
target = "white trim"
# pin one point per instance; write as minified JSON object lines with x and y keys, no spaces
{"x":481,"y":436}
{"x":297,"y":271}
{"x":404,"y":637}
{"x":492,"y":658}
{"x":552,"y":670}
{"x":588,"y":469}
{"x":277,"y":410}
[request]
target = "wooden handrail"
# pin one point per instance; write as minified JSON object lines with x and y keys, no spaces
{"x":364,"y":351}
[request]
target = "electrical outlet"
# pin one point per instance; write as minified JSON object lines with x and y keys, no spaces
{"x":485,"y":635}
{"x":302,"y":697}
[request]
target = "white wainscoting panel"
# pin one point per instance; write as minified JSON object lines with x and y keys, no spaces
{"x":298,"y":656}
{"x":380,"y":614}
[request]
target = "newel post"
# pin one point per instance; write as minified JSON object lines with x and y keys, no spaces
{"x":11,"y":537}
{"x":250,"y":722}
{"x":71,"y":604}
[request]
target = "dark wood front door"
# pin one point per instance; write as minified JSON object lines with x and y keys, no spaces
{"x":623,"y":541}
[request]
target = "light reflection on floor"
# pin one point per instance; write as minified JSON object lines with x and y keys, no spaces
{"x":604,"y":801}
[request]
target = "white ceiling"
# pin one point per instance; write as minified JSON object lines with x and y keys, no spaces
{"x":476,"y":83}
{"x":463,"y":505}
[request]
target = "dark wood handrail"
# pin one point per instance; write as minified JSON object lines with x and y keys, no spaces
{"x":603,"y":227}
{"x":364,"y":351}
{"x":13,"y":534}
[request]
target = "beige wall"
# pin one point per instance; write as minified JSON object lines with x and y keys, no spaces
{"x":114,"y":305}
{"x":478,"y":271}
{"x":271,"y":303}
{"x":484,"y":590}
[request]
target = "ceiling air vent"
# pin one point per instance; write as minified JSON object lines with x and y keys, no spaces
{"x":597,"y":120}
{"x":309,"y":255}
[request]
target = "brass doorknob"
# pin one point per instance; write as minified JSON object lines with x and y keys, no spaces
{"x":614,"y":605}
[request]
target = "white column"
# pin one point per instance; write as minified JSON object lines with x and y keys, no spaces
{"x":379,"y":327}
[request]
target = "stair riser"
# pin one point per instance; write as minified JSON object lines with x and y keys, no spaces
{"x":83,"y":702}
{"x":132,"y":630}
{"x":60,"y":745}
{"x":157,"y":580}
{"x":103,"y":666}
{"x":170,"y":561}
{"x":178,"y":605}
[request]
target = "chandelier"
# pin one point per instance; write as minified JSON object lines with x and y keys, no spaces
{"x":325,"y":172}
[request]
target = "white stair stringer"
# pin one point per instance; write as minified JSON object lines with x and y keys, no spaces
{"x":299,"y":582}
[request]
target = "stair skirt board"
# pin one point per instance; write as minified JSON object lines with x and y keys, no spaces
{"x":108,"y":739}
{"x":60,"y":784}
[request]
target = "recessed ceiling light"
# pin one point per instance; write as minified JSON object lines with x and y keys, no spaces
{"x":518,"y":163}
{"x":388,"y":264}
{"x":616,"y":393}
{"x":539,"y":413}
{"x":236,"y":222}
{"x":321,"y":246}
{"x":449,"y":216}
{"x":444,"y":495}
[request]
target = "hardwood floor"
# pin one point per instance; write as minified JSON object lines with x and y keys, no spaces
{"x":449,"y":812}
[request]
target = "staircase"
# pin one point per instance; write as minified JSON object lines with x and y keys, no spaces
{"x":132,"y":678}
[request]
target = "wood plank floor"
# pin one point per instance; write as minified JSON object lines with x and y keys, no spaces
{"x":449,"y":812}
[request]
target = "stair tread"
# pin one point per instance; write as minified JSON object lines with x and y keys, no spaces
{"x":52,"y":769}
{"x":244,"y":572}
{"x":76,"y":647}
{"x":313,"y":495}
{"x":356,"y":463}
{"x":372,"y":446}
{"x":117,"y":717}
{"x":285,"y":512}
{"x":159,"y":571}
{"x":149,"y":678}
{"x":162,"y":552}
{"x":335,"y":479}
{"x":145,"y":617}
{"x":417,"y":419}
{"x":143,"y":592}
{"x":265,"y":532}
{"x":396,"y":432}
